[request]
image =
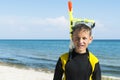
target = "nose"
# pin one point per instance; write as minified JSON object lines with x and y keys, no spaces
{"x":80,"y":40}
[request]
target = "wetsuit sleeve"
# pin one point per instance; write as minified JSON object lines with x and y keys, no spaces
{"x":97,"y":72}
{"x":58,"y":71}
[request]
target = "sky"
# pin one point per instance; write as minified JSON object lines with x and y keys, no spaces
{"x":49,"y":19}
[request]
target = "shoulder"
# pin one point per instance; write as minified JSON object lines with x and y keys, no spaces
{"x":93,"y":60}
{"x":64,"y":56}
{"x":93,"y":57}
{"x":64,"y":59}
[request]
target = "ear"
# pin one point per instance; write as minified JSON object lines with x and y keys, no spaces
{"x":91,"y":39}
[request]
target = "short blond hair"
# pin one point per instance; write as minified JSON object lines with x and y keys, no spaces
{"x":81,"y":27}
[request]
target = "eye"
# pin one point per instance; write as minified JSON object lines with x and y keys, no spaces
{"x":76,"y":38}
{"x":84,"y":38}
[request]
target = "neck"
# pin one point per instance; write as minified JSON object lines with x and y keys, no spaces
{"x":80,"y":52}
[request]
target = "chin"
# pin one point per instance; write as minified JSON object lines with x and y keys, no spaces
{"x":81,"y":49}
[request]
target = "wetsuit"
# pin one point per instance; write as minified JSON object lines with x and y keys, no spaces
{"x":78,"y":68}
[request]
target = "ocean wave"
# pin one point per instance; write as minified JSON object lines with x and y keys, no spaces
{"x":111,"y":70}
{"x":10,"y":60}
{"x":31,"y":62}
{"x":36,"y":58}
{"x":111,"y":66}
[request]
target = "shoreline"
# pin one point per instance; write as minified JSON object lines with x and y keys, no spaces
{"x":110,"y":78}
{"x":17,"y":73}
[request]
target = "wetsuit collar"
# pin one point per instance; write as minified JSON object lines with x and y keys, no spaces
{"x":73,"y":53}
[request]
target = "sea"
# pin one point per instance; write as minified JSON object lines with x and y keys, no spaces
{"x":43,"y":54}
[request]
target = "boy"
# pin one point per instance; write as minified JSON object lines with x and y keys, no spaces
{"x":80,"y":64}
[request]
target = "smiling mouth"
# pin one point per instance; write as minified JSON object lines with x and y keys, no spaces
{"x":80,"y":45}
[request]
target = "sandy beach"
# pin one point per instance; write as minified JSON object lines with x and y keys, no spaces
{"x":13,"y":73}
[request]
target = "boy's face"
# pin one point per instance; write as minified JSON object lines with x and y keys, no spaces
{"x":81,"y":40}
